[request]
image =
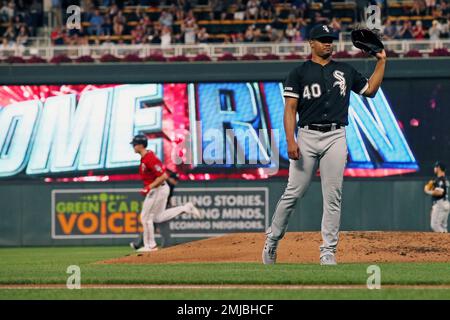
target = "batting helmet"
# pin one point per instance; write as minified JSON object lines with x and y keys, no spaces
{"x":139,"y":139}
{"x":440,"y":165}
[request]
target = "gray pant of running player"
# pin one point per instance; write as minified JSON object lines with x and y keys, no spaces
{"x":329,"y":151}
{"x":439,"y":215}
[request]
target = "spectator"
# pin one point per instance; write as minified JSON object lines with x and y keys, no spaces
{"x":272,"y":33}
{"x":301,"y":26}
{"x":189,"y":28}
{"x":238,"y":37}
{"x":435,"y":31}
{"x":267,"y":9}
{"x":146,"y":21}
{"x":319,"y":19}
{"x":406,"y":31}
{"x":418,"y":8}
{"x":445,"y":29}
{"x":257,"y":35}
{"x":5,"y":14}
{"x":398,"y":29}
{"x":298,"y":37}
{"x":138,"y":14}
{"x":166,"y":37}
{"x":155,"y":38}
{"x":241,"y":9}
{"x":445,"y":9}
{"x":218,"y":9}
{"x":6,"y":44}
{"x":190,"y":18}
{"x":202,"y":36}
{"x":78,"y":37}
{"x":9,"y":34}
{"x":137,"y":34}
{"x":292,"y":14}
{"x":185,"y":5}
{"x":336,"y":26}
{"x":17,"y":23}
{"x":119,"y":22}
{"x":248,"y":36}
{"x":179,"y":14}
{"x":389,"y":30}
{"x":252,"y":10}
{"x":290,"y":32}
{"x":227,"y":39}
{"x":57,"y":36}
{"x":417,"y":31}
{"x":113,"y":11}
{"x":35,"y":17}
{"x":56,"y":11}
{"x":166,"y":19}
{"x":107,"y":25}
{"x":430,"y":4}
{"x":302,"y":7}
{"x":96,"y":23}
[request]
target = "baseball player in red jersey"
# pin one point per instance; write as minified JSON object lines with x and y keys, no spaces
{"x":156,"y":192}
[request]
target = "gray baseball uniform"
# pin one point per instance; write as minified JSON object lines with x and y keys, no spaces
{"x":441,"y":206}
{"x":323,"y":94}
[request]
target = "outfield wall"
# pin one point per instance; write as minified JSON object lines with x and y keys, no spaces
{"x":25,"y":217}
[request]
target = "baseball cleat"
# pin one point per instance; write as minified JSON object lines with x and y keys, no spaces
{"x":269,"y":254}
{"x":328,"y":260}
{"x":133,"y":246}
{"x":147,"y":249}
{"x":192,"y":209}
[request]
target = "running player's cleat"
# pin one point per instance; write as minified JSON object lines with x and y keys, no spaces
{"x":328,"y":260}
{"x":146,"y":249}
{"x":269,"y":253}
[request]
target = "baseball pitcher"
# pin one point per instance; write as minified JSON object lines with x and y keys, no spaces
{"x":156,"y":191}
{"x":438,"y":190}
{"x":319,"y":92}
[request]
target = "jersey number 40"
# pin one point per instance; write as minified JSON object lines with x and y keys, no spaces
{"x":313,"y":90}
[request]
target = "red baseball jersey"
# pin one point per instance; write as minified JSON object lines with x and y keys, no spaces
{"x":151,"y":168}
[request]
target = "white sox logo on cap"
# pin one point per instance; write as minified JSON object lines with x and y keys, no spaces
{"x":326,"y":28}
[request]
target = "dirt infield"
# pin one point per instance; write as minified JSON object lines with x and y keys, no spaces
{"x":303,"y":247}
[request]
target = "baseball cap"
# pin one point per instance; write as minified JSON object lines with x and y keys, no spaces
{"x":139,"y":139}
{"x":322,"y":31}
{"x":440,"y":165}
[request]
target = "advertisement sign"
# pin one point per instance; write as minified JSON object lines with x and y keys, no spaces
{"x":115,"y":213}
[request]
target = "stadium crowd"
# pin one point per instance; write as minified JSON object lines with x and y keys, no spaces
{"x":168,"y":22}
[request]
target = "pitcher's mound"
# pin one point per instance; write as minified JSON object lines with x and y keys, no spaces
{"x":303,"y":247}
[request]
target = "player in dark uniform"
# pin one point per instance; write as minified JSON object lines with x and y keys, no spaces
{"x":438,"y":190}
{"x":319,"y":92}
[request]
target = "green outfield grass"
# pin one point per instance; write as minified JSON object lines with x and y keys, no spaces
{"x":49,"y":265}
{"x":225,"y":294}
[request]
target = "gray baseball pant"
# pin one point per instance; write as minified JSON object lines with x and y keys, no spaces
{"x":329,"y":151}
{"x":439,"y":215}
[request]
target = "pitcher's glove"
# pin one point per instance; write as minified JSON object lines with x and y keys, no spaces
{"x":430,"y":185}
{"x":367,"y":40}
